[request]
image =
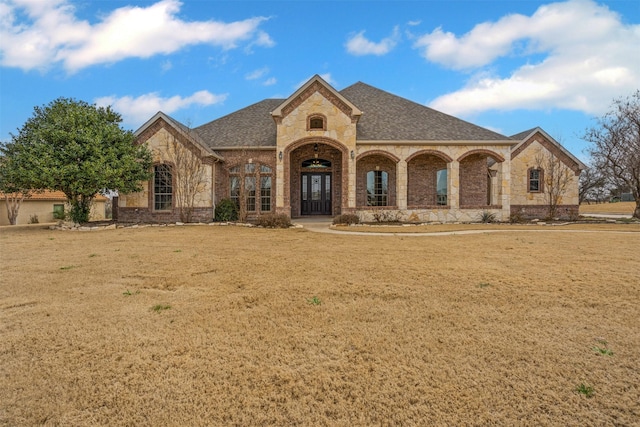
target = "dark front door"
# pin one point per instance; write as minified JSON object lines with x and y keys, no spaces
{"x":316,"y":193}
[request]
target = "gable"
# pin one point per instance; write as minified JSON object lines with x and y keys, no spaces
{"x":548,"y":143}
{"x":161,"y":128}
{"x":313,"y":86}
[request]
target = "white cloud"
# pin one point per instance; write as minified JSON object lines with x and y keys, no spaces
{"x":256,"y":74}
{"x":136,"y":110}
{"x":588,"y":57}
{"x":270,"y":81}
{"x":52,"y":34}
{"x":359,"y":45}
{"x":326,"y":77}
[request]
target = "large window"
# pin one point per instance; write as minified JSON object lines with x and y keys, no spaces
{"x":162,"y":188}
{"x":377,"y":188}
{"x":441,"y":187}
{"x":535,"y":180}
{"x":243,"y":181}
{"x":265,"y":188}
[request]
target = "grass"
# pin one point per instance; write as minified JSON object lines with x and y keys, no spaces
{"x":160,"y":307}
{"x":585,"y":390}
{"x":405,"y":339}
{"x":620,"y":208}
{"x":314,"y":301}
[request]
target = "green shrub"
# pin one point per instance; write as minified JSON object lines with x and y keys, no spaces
{"x":487,"y":217}
{"x":346,"y":219}
{"x":274,"y":221}
{"x":226,"y":210}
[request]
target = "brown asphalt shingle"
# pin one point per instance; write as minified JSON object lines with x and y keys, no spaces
{"x":386,"y":117}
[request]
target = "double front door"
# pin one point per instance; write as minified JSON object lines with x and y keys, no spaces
{"x":316,"y":193}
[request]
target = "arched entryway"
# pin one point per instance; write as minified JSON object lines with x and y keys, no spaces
{"x":316,"y":179}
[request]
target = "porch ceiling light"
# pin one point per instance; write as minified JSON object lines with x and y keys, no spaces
{"x":353,"y":155}
{"x":315,"y":147}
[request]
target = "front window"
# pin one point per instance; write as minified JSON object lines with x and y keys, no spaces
{"x":534,"y":180}
{"x":377,"y":188}
{"x":162,"y":188}
{"x":441,"y":187}
{"x":243,"y":183}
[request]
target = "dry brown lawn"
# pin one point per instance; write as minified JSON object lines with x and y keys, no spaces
{"x":485,"y":329}
{"x":621,"y":208}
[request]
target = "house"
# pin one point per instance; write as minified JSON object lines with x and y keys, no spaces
{"x":47,"y":206}
{"x":359,"y":150}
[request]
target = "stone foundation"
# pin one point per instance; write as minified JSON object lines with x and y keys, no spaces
{"x":435,"y":214}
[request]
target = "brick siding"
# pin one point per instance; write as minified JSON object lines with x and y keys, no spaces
{"x":421,"y":180}
{"x":473,"y":181}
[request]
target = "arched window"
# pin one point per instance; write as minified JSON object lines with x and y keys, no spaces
{"x":441,"y":187}
{"x":162,"y":188}
{"x":377,"y":188}
{"x":316,"y":122}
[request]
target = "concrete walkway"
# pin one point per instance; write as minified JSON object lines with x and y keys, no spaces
{"x":322,"y":225}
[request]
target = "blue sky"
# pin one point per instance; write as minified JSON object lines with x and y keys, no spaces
{"x":505,"y":65}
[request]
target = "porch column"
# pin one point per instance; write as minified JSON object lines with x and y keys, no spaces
{"x":494,"y":193}
{"x":351,"y":180}
{"x":453,"y":184}
{"x":281,"y":206}
{"x":401,"y":184}
{"x":504,"y":179}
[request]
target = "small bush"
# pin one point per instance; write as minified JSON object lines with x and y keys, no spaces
{"x":34,"y":219}
{"x":487,"y":217}
{"x":347,"y":219}
{"x":226,"y":210}
{"x":274,"y":221}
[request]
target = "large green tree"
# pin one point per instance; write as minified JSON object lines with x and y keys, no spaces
{"x":616,"y":145}
{"x":79,"y":149}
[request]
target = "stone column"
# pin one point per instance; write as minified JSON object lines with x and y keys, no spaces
{"x":401,"y":184}
{"x":504,"y":178}
{"x":495,"y":193}
{"x":351,"y":181}
{"x":280,"y":198}
{"x":453,"y":184}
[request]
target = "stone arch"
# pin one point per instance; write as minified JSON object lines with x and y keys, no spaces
{"x":376,"y":161}
{"x":423,"y":174}
{"x":476,"y":177}
{"x":383,"y":153}
{"x":339,"y":170}
{"x":497,"y":157}
{"x":435,"y":153}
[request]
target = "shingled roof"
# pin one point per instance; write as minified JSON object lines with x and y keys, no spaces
{"x":252,"y":126}
{"x":386,"y":117}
